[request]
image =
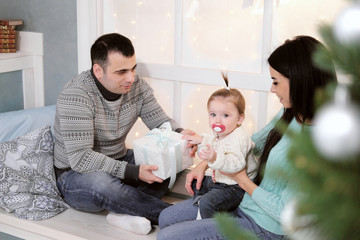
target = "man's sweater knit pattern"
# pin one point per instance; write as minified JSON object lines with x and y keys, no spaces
{"x":90,"y":131}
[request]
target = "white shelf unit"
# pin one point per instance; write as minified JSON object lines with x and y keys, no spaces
{"x":29,"y":60}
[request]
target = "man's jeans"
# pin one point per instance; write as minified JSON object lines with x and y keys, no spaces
{"x":97,"y":191}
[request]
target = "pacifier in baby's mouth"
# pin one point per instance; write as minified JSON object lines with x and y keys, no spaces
{"x":219,"y":128}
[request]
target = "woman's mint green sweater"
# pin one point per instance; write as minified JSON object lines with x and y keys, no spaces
{"x":268,"y":200}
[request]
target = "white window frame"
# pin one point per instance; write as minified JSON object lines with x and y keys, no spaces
{"x":90,"y":26}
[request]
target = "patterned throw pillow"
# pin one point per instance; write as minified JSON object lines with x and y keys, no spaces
{"x":27,"y":178}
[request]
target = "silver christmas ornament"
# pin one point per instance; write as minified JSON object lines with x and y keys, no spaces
{"x":336,"y":132}
{"x":298,"y":227}
{"x":347,"y":25}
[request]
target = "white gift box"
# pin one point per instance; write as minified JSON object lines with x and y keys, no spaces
{"x":164,"y":148}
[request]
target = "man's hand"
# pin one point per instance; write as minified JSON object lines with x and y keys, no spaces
{"x":189,"y":134}
{"x":197,"y":173}
{"x":146,"y":175}
{"x":193,"y":139}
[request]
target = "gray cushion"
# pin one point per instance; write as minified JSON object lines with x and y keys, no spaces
{"x":27,"y":179}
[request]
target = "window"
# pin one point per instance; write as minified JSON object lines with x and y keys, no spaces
{"x":183,"y":45}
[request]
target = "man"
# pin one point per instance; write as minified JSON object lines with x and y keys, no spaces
{"x":94,"y":113}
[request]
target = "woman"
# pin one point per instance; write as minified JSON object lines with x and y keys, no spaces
{"x":295,"y":80}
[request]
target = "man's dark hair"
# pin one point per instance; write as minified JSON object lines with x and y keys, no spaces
{"x":112,"y":42}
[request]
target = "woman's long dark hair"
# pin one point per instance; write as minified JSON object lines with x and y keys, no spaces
{"x":294,"y":61}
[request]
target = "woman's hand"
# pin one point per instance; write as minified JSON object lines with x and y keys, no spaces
{"x":243,"y":180}
{"x":197,"y":173}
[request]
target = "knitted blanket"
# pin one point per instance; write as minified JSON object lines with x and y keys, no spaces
{"x":27,"y":178}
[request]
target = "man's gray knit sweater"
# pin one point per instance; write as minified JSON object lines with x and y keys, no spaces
{"x":90,"y":131}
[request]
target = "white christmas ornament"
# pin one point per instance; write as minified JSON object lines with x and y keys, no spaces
{"x":347,"y":25}
{"x":336,"y":132}
{"x":298,"y":227}
{"x":288,"y":216}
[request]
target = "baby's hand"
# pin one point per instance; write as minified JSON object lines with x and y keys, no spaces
{"x":207,"y":153}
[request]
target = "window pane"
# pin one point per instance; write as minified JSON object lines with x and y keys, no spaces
{"x":223,"y":34}
{"x":299,"y":17}
{"x":163,"y":93}
{"x":148,"y":23}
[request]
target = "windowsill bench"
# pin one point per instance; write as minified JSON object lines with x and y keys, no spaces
{"x":75,"y":225}
{"x":70,"y":224}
